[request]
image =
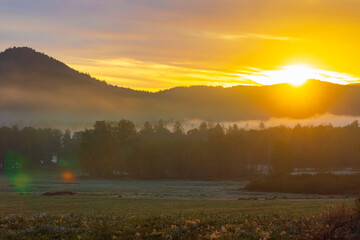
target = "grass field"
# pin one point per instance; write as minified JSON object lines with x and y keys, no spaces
{"x":111,"y":216}
{"x":27,"y":217}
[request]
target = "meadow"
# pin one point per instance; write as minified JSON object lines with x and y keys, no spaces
{"x":43,"y":217}
{"x":105,"y":213}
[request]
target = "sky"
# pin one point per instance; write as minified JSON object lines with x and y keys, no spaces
{"x":159,"y":44}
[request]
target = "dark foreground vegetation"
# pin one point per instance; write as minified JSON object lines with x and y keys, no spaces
{"x":107,"y":218}
{"x":119,"y":149}
{"x":327,"y":184}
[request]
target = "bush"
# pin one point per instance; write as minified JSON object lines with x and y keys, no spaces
{"x":342,"y":222}
{"x":326,"y":184}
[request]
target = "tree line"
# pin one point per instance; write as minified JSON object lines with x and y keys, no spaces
{"x":157,"y":151}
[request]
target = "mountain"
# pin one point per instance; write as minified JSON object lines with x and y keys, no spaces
{"x":35,"y":86}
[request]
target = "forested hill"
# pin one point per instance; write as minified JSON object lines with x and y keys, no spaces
{"x":36,"y":86}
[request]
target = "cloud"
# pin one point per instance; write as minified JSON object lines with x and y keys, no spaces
{"x":297,"y":74}
{"x":248,"y":36}
{"x":156,"y":76}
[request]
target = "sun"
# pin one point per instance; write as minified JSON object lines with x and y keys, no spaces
{"x":297,"y":75}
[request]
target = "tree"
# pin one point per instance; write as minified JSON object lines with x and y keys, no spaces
{"x":147,"y":129}
{"x":124,"y":142}
{"x":178,"y":128}
{"x":281,"y":158}
{"x":160,"y":128}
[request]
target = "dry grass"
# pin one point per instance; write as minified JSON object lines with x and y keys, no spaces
{"x":342,"y":222}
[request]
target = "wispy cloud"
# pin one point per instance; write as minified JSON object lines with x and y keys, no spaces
{"x":297,"y":74}
{"x":156,"y":76}
{"x":248,"y":36}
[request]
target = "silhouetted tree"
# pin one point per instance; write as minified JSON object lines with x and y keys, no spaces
{"x":281,"y":158}
{"x":118,"y":149}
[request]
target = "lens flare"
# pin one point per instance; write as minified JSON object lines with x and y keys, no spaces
{"x":15,"y":171}
{"x":68,"y":176}
{"x":69,"y":162}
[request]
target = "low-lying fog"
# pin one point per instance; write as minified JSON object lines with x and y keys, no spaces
{"x":325,"y":119}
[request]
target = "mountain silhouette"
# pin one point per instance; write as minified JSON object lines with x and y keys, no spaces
{"x":36,"y":86}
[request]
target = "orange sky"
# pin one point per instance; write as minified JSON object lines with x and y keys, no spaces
{"x":158,"y":44}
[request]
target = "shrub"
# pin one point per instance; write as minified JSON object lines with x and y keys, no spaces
{"x":327,"y":184}
{"x":342,"y":222}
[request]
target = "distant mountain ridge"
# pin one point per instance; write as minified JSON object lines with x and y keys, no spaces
{"x":21,"y":61}
{"x":36,"y":86}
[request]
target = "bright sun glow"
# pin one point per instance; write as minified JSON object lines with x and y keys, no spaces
{"x":297,"y":75}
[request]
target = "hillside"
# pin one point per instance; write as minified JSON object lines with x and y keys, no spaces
{"x":36,"y":86}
